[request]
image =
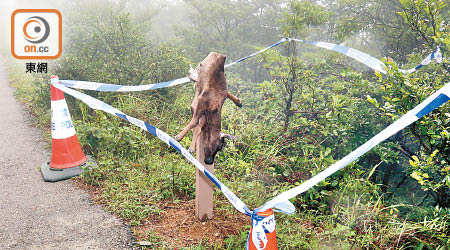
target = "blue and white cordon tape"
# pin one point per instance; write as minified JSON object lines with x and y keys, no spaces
{"x":362,"y":57}
{"x":432,"y":102}
{"x":121,"y":88}
{"x":256,"y":53}
{"x":96,"y":104}
{"x":99,"y":105}
{"x":369,"y":60}
{"x":281,"y":202}
{"x":127,"y":88}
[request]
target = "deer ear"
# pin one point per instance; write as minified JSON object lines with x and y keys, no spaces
{"x":193,"y":74}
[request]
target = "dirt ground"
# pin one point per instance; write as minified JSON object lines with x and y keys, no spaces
{"x":178,"y":226}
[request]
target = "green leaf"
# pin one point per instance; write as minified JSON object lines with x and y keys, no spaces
{"x":413,"y":163}
{"x":415,"y":175}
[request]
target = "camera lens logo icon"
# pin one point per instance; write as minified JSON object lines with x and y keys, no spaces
{"x":36,"y":29}
{"x":36,"y":33}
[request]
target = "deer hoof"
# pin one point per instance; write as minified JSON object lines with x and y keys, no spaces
{"x":177,"y":138}
{"x":191,"y":150}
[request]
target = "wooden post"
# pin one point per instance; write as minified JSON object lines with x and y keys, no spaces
{"x":204,"y":188}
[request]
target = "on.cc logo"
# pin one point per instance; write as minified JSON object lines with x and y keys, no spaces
{"x":36,"y":29}
{"x":36,"y":33}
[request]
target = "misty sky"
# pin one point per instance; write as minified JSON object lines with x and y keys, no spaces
{"x":162,"y":22}
{"x":8,"y":6}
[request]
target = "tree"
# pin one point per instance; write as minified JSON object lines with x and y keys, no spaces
{"x":426,"y":142}
{"x":235,"y":28}
{"x":110,"y":47}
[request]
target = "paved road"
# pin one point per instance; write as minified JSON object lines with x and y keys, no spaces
{"x":39,"y":215}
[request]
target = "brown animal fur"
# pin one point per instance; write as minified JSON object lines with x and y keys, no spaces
{"x":206,"y":108}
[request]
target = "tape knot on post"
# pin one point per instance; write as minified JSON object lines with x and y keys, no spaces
{"x":262,"y":235}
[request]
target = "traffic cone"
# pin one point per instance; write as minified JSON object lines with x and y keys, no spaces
{"x":67,"y":156}
{"x":262,"y":235}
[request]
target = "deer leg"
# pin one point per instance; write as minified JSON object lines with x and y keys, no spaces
{"x":188,"y":127}
{"x":234,"y":99}
{"x":196,"y":111}
{"x":196,"y":133}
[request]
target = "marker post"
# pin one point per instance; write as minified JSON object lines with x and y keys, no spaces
{"x":204,"y":188}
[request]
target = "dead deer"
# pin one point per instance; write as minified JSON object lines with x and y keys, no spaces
{"x":206,"y":108}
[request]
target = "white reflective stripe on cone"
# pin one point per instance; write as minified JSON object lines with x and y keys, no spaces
{"x":62,"y":125}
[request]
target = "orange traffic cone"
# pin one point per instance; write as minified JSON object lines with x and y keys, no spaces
{"x":67,"y":156}
{"x":262,"y":234}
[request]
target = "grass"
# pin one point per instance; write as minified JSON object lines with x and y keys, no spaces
{"x":145,"y":183}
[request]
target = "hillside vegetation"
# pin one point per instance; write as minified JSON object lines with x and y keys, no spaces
{"x":304,"y":109}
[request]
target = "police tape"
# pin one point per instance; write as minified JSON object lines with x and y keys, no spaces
{"x":261,"y":225}
{"x":432,"y":102}
{"x":436,"y":55}
{"x":107,"y":87}
{"x":260,"y":229}
{"x":256,"y":53}
{"x":369,"y":60}
{"x":280,"y":202}
{"x":120,"y":88}
{"x":362,"y":57}
{"x":262,"y":233}
{"x":99,"y":105}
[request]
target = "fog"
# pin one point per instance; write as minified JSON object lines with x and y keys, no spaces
{"x":160,"y":13}
{"x":304,"y":107}
{"x":6,"y":9}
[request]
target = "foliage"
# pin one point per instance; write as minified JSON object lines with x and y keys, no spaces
{"x":301,"y":16}
{"x":428,"y":137}
{"x":235,"y":28}
{"x":304,"y":109}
